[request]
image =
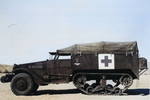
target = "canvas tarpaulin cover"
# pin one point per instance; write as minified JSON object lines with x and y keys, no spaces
{"x":101,"y":47}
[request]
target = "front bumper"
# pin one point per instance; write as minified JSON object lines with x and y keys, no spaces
{"x":7,"y":77}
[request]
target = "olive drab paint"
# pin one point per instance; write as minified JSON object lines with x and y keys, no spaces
{"x":100,"y":61}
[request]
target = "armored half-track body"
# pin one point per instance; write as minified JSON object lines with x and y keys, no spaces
{"x":94,"y":68}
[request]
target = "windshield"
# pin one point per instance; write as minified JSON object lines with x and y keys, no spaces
{"x":54,"y":57}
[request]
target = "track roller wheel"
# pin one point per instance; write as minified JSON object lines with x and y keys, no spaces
{"x":108,"y":89}
{"x":89,"y":90}
{"x":117,"y":90}
{"x":80,"y":80}
{"x":126,"y":80}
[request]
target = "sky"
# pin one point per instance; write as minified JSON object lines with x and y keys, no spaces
{"x":30,"y":29}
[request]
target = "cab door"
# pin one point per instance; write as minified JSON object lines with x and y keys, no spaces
{"x":63,"y":66}
{"x":59,"y":70}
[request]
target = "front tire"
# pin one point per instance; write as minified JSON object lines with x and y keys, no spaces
{"x":22,"y":84}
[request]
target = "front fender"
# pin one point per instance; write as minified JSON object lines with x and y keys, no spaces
{"x":34,"y":77}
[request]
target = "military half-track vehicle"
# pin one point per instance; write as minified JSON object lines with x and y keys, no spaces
{"x":94,"y":68}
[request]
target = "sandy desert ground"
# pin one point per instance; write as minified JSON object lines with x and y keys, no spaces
{"x":138,"y":91}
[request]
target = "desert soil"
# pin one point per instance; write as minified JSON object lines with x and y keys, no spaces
{"x":138,"y":91}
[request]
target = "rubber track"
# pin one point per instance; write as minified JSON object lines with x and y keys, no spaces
{"x":125,"y":88}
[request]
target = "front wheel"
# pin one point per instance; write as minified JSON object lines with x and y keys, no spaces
{"x":22,"y":84}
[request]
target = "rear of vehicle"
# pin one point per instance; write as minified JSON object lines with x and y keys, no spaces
{"x":96,"y":64}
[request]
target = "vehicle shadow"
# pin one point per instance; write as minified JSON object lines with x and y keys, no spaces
{"x":52,"y":92}
{"x":142,"y":92}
